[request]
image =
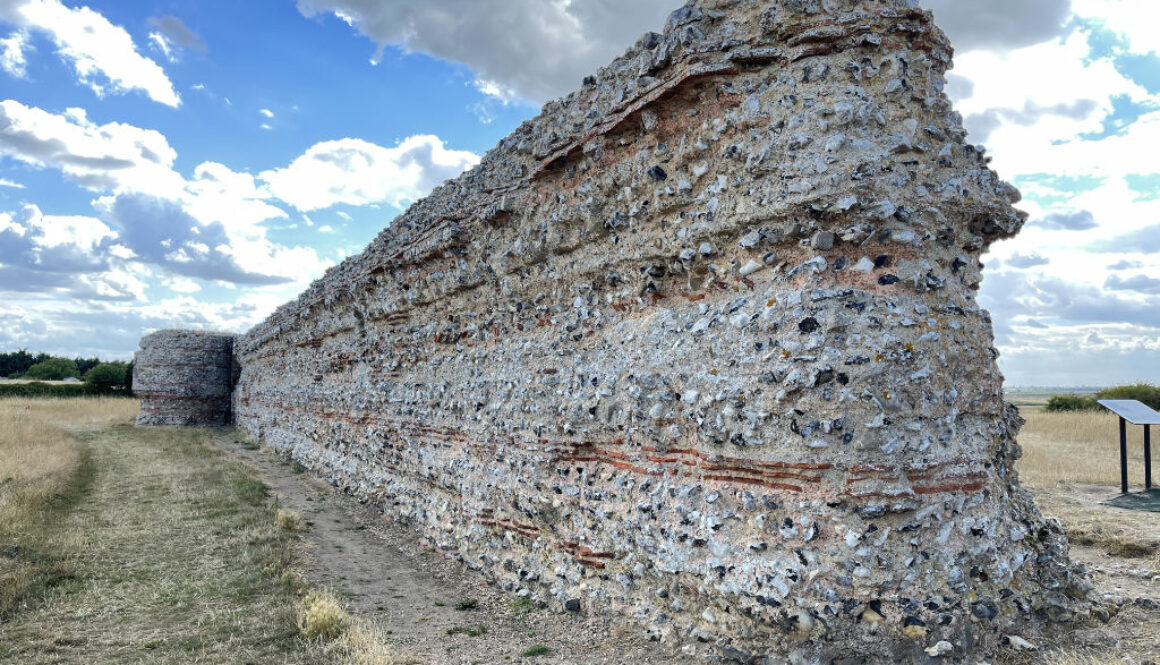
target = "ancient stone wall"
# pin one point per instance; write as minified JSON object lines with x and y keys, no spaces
{"x":699,"y":345}
{"x":185,"y":378}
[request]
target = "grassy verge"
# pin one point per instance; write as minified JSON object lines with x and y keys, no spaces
{"x":121,"y":544}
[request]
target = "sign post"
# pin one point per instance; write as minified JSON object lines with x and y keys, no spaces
{"x":1137,"y":413}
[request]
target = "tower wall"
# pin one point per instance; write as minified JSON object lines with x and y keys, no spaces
{"x":185,"y":378}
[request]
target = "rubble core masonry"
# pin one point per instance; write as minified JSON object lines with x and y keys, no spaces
{"x":699,"y":345}
{"x":185,"y":378}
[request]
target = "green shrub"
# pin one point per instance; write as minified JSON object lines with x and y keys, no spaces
{"x":1071,"y":403}
{"x":53,"y":369}
{"x":1143,"y":392}
{"x":61,"y":390}
{"x":106,"y":377}
{"x":37,"y":389}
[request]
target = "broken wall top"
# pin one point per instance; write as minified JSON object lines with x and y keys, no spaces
{"x":721,"y":38}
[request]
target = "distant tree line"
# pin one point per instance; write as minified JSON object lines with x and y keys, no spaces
{"x":99,"y":377}
{"x":1142,"y":392}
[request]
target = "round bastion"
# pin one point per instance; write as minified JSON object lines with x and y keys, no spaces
{"x":185,"y":378}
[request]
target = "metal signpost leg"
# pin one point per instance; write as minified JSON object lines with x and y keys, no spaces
{"x":1147,"y":457}
{"x":1124,"y":455}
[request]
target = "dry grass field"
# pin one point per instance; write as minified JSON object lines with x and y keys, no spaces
{"x":43,"y":468}
{"x":124,"y":545}
{"x":1077,"y":447}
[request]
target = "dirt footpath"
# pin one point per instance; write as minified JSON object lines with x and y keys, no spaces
{"x":390,"y":576}
{"x":387,"y":575}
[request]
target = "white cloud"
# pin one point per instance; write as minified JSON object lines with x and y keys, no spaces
{"x":98,"y":157}
{"x":561,"y":41}
{"x":12,"y":58}
{"x":267,"y":112}
{"x":209,"y":226}
{"x":161,"y":43}
{"x":1039,"y":94}
{"x":10,"y":184}
{"x":357,"y":172}
{"x":558,"y":42}
{"x":181,"y":285}
{"x":102,"y":54}
{"x":1134,"y":19}
{"x":112,"y":328}
{"x":217,"y":194}
{"x":66,"y":255}
{"x":265,"y":126}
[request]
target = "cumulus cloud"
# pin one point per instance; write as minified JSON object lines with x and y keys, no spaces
{"x":1011,"y":295}
{"x":560,"y":42}
{"x":1126,"y":265}
{"x":1036,"y":316}
{"x":113,"y":329}
{"x":163,"y":233}
{"x":1023,"y":261}
{"x":1135,"y":20}
{"x":63,"y":244}
{"x":12,"y":58}
{"x":10,"y":184}
{"x":103,"y":55}
{"x":1000,"y":24}
{"x":1140,"y":241}
{"x":531,"y":49}
{"x":210,"y":226}
{"x":982,"y":125}
{"x":1137,"y":283}
{"x":98,"y":157}
{"x":213,"y":225}
{"x":357,"y":172}
{"x":1080,"y":220}
{"x":74,"y":256}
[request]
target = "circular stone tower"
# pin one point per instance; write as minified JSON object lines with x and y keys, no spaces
{"x":185,"y":378}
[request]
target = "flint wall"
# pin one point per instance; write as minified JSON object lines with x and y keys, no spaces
{"x":699,"y":345}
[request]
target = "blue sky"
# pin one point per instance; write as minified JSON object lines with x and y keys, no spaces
{"x":183,"y":164}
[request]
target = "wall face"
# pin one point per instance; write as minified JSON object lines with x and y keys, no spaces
{"x":184,"y":378}
{"x":699,"y":345}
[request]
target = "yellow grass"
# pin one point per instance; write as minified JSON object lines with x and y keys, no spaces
{"x":1079,"y":447}
{"x":40,"y":462}
{"x":39,"y":456}
{"x":350,"y":639}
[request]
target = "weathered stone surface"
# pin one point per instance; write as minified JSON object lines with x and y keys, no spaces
{"x":185,"y":378}
{"x":699,"y":345}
